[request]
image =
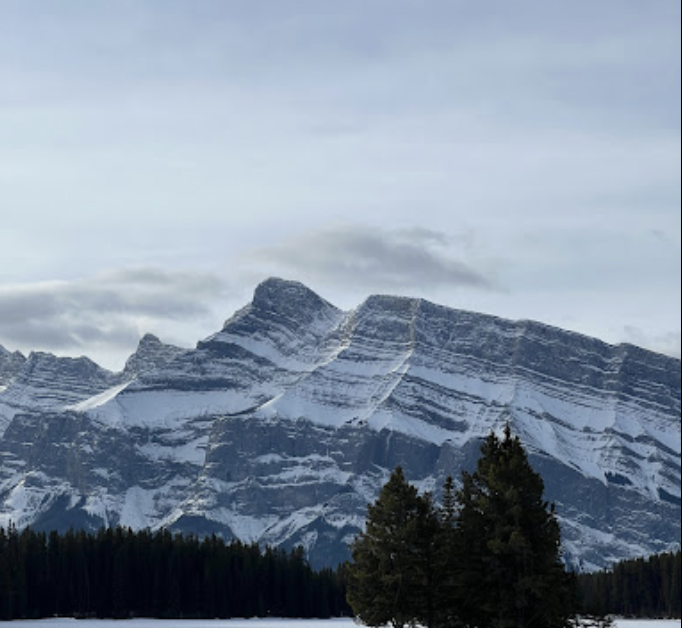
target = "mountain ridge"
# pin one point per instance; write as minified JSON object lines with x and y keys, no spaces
{"x":281,"y":427}
{"x":6,"y":354}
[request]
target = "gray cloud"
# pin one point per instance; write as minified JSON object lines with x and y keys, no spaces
{"x":105,"y":310}
{"x":378,"y":259}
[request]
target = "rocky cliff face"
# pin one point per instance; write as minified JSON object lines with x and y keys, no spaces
{"x":151,"y":355}
{"x":284,"y":425}
{"x":10,"y":366}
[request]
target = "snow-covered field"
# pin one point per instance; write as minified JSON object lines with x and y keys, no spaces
{"x":638,"y":623}
{"x":258,"y":623}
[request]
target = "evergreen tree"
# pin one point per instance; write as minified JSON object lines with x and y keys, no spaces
{"x":446,"y":562}
{"x":639,"y":588}
{"x":6,"y":579}
{"x":507,"y":545}
{"x":388,"y":581}
{"x":425,"y":533}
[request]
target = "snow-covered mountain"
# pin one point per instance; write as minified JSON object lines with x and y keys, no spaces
{"x":284,"y":425}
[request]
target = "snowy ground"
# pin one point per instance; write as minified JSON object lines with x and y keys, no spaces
{"x":638,"y":623}
{"x":256,"y":623}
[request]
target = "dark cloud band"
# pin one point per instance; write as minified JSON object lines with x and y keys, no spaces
{"x":101,"y":310}
{"x":376,"y":259}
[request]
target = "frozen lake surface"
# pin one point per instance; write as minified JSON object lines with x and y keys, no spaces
{"x":255,"y":623}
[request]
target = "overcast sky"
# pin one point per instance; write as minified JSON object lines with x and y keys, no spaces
{"x":158,"y":158}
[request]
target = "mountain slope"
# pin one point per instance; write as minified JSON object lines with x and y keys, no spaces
{"x":46,"y":383}
{"x":281,"y":427}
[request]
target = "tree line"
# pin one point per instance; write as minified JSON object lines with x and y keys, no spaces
{"x":645,"y":587}
{"x":120,"y":573}
{"x":488,"y":557}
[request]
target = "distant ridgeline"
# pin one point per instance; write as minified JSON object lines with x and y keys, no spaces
{"x":636,"y":588}
{"x":120,"y":573}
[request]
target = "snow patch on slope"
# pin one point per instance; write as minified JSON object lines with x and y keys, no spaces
{"x":99,"y":400}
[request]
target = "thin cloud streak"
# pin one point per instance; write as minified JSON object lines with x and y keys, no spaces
{"x":358,"y":256}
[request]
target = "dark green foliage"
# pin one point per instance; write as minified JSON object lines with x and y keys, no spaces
{"x":392,"y":567}
{"x":507,"y":544}
{"x":120,"y":573}
{"x":635,"y":588}
{"x":447,"y":565}
{"x":489,"y":558}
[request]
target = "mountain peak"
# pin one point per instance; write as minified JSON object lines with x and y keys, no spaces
{"x":149,"y":340}
{"x":46,"y":360}
{"x":276,"y":289}
{"x":10,"y":365}
{"x":6,"y":354}
{"x":151,"y":354}
{"x":291,"y":299}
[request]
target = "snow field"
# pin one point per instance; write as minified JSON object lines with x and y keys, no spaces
{"x":654,"y":623}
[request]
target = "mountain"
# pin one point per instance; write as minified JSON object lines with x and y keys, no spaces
{"x":151,"y":355}
{"x":44,"y":383}
{"x":281,"y":427}
{"x":10,"y":365}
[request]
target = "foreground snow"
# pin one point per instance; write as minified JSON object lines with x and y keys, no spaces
{"x":262,"y":623}
{"x":640,"y":623}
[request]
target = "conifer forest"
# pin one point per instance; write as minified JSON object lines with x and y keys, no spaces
{"x":120,"y":573}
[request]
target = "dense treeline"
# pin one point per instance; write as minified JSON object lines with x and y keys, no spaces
{"x":636,"y":588}
{"x":120,"y":573}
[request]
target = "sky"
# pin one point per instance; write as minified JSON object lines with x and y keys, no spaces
{"x":160,"y":158}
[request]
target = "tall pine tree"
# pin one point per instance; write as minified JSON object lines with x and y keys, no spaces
{"x":507,"y":545}
{"x":392,"y":570}
{"x":447,"y":563}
